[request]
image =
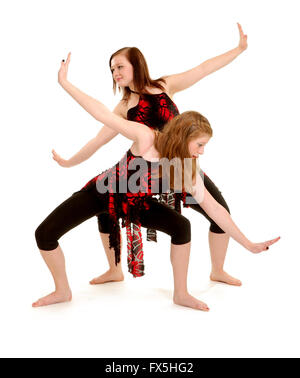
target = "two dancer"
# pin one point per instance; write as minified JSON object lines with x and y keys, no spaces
{"x":149,"y":102}
{"x":188,"y":133}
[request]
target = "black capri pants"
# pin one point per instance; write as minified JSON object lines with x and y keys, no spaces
{"x":85,"y":204}
{"x":104,"y":220}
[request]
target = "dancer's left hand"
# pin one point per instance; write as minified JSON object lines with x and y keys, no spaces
{"x":260,"y":247}
{"x":243,"y":44}
{"x":62,"y":162}
{"x":63,"y":71}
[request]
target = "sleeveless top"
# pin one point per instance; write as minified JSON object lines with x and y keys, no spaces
{"x":153,"y":110}
{"x":125,"y":188}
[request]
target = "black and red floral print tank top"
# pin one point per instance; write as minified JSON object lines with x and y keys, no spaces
{"x":117,"y":180}
{"x":153,"y":110}
{"x":126,"y":187}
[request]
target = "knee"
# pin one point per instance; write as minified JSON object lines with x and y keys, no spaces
{"x":182,"y":232}
{"x":40,"y":235}
{"x":214,"y":228}
{"x":104,"y":223}
{"x":44,"y":238}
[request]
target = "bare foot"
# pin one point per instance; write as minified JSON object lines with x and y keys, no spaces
{"x":189,"y":301}
{"x":109,"y":276}
{"x":225,"y":278}
{"x":53,"y":298}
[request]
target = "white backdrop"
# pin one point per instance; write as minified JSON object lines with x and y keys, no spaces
{"x":252,"y":105}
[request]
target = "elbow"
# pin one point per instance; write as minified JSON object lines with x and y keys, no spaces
{"x":217,"y":208}
{"x":99,"y":143}
{"x":101,"y":115}
{"x":211,"y":209}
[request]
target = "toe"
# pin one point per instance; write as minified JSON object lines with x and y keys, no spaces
{"x":37,"y":303}
{"x":203,"y":307}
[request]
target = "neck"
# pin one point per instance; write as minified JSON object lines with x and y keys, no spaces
{"x":132,"y":88}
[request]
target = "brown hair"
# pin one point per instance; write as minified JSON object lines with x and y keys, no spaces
{"x":174,"y":139}
{"x":141,"y":77}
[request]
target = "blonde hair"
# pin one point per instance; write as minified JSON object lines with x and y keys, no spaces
{"x":173,"y":142}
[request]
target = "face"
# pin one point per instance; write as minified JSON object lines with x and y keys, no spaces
{"x":122,"y":70}
{"x":196,"y":146}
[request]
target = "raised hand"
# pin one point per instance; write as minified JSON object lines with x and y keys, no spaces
{"x":260,"y":247}
{"x":243,"y":39}
{"x":62,"y":162}
{"x":63,"y":71}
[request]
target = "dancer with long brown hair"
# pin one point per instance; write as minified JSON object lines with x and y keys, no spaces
{"x":150,"y":102}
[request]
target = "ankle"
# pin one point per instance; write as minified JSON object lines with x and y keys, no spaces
{"x":62,"y":289}
{"x":215,"y":270}
{"x":115,"y":269}
{"x":180,"y":293}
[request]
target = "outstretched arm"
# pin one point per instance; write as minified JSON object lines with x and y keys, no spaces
{"x":184,"y":80}
{"x":223,"y":219}
{"x":137,"y":132}
{"x":104,"y":136}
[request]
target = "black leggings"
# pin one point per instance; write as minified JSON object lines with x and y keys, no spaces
{"x":104,"y":220}
{"x":85,"y":204}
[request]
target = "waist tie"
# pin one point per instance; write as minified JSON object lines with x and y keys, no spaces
{"x":135,"y":254}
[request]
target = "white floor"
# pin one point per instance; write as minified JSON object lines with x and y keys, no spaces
{"x":136,"y":318}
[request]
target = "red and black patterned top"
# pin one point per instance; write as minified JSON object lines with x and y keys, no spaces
{"x":126,"y":187}
{"x":153,"y":110}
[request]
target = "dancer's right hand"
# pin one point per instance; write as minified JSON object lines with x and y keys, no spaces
{"x":63,"y":71}
{"x":62,"y":162}
{"x":260,"y":247}
{"x":243,"y":44}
